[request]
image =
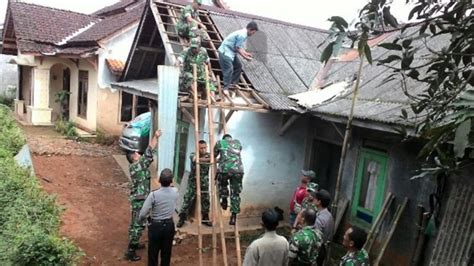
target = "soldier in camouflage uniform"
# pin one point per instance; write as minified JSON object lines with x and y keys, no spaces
{"x":229,"y":169}
{"x":188,"y":25}
{"x":305,"y":244}
{"x":309,"y":202}
{"x":139,"y":190}
{"x":190,"y":196}
{"x":194,"y":55}
{"x":354,"y":240}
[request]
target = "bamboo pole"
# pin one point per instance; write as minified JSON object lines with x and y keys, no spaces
{"x":375,"y":227}
{"x":197,"y":162}
{"x":211,"y":168}
{"x":398,"y":214}
{"x":346,"y":138}
{"x":217,"y":207}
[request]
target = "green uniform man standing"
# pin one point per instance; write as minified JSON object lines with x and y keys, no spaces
{"x":305,"y":244}
{"x":139,"y":189}
{"x":187,"y":24}
{"x":229,"y":170}
{"x":353,"y":241}
{"x":190,"y":196}
{"x":194,"y":55}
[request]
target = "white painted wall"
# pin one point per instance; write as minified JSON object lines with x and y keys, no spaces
{"x":115,"y":48}
{"x":272,"y":163}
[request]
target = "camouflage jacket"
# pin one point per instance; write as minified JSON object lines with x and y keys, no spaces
{"x":188,"y":58}
{"x":186,"y":11}
{"x":305,"y":244}
{"x":204,"y":167}
{"x":359,"y":258}
{"x":306,"y":204}
{"x":229,"y":156}
{"x":140,"y":176}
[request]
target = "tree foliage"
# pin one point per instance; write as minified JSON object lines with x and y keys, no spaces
{"x":432,"y":57}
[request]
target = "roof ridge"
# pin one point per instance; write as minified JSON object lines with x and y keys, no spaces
{"x":53,"y":8}
{"x":76,"y":33}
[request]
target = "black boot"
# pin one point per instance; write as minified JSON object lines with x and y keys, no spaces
{"x":205,"y":219}
{"x":138,"y":246}
{"x":182,"y":220}
{"x":224,"y":203}
{"x":131,"y":255}
{"x":233,"y":219}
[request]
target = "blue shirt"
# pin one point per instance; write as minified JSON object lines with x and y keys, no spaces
{"x":232,"y":42}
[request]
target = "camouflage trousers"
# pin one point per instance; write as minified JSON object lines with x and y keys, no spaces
{"x":235,"y":181}
{"x":190,"y":196}
{"x":136,"y":228}
{"x":186,"y":83}
{"x":187,"y":31}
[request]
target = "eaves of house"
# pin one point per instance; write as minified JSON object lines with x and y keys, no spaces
{"x":39,"y":30}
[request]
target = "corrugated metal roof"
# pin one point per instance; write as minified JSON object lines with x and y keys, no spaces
{"x":144,"y":87}
{"x":286,"y":59}
{"x":455,"y":242}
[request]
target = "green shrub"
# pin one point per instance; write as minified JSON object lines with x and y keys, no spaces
{"x":29,"y":217}
{"x":11,"y":137}
{"x":5,"y":100}
{"x":67,"y":128}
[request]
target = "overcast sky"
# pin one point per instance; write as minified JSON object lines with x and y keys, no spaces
{"x":307,"y":12}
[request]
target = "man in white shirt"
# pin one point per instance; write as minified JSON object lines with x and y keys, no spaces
{"x":270,"y":248}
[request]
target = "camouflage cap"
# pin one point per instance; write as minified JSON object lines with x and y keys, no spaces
{"x":198,"y":2}
{"x":195,"y":43}
{"x":312,"y":187}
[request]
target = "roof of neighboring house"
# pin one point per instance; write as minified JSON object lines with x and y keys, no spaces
{"x":49,"y":31}
{"x":115,"y":66}
{"x":110,"y":25}
{"x":116,"y":8}
{"x":378,"y":100}
{"x":45,"y":24}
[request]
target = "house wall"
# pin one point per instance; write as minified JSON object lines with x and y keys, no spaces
{"x":272,"y":163}
{"x":108,"y":111}
{"x":108,"y":104}
{"x":402,"y":164}
{"x":27,"y":84}
{"x":56,"y":85}
{"x":115,"y":48}
{"x":8,"y":76}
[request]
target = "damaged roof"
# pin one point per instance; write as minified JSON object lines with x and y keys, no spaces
{"x":44,"y":30}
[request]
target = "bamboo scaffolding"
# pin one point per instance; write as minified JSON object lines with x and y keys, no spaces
{"x":197,"y":162}
{"x":376,"y":226}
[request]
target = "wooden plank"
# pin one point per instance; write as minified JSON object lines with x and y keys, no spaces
{"x":162,"y":30}
{"x":187,"y":114}
{"x":288,"y":124}
{"x":228,"y":107}
{"x":198,"y":165}
{"x":398,"y":214}
{"x":376,"y":225}
{"x":212,"y":173}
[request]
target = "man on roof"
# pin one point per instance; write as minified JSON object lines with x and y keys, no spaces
{"x":188,"y":25}
{"x":230,"y":47}
{"x":194,"y":55}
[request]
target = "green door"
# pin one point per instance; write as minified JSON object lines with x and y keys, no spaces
{"x":369,"y":187}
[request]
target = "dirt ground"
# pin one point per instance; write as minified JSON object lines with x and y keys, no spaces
{"x":92,"y":188}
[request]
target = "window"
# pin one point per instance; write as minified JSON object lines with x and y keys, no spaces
{"x":82,"y":94}
{"x":182,"y":130}
{"x":369,"y":186}
{"x":132,"y":106}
